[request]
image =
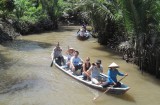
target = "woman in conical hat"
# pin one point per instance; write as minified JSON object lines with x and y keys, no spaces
{"x":112,"y":76}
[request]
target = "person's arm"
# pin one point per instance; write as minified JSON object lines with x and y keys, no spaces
{"x":101,"y":69}
{"x":60,"y":52}
{"x":81,"y":60}
{"x":88,"y":72}
{"x":120,"y":74}
{"x":84,"y":69}
{"x":71,"y":61}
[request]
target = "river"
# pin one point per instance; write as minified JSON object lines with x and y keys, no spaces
{"x":26,"y":77}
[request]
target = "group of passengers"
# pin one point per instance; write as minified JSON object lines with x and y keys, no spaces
{"x":82,"y":31}
{"x":89,"y":71}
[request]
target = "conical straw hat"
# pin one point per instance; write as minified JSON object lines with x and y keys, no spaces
{"x":113,"y":65}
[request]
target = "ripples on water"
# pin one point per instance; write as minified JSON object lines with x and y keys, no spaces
{"x":26,"y":77}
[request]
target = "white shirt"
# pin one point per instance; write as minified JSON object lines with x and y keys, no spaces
{"x":69,"y":57}
{"x":56,"y":53}
{"x":95,"y":71}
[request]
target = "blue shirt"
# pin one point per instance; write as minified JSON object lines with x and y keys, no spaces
{"x":112,"y":75}
{"x":76,"y":60}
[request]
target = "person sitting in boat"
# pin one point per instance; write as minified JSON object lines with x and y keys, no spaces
{"x":112,"y":76}
{"x":57,"y":55}
{"x":82,"y":32}
{"x":94,"y":72}
{"x":84,"y":27}
{"x":76,"y":62}
{"x":86,"y":65}
{"x":70,"y":53}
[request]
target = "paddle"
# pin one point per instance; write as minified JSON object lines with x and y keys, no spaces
{"x":107,"y":89}
{"x":51,"y":64}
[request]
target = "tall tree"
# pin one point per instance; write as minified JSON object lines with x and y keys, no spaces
{"x":142,"y":17}
{"x":6,"y":6}
{"x":51,"y":7}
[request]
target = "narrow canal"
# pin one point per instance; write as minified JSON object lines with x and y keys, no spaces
{"x":26,"y":77}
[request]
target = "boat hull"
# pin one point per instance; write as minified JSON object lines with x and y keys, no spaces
{"x":83,"y":36}
{"x":112,"y":90}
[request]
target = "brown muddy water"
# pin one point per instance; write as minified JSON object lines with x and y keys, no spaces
{"x":26,"y":77}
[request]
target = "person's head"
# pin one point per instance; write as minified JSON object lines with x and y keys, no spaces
{"x":58,"y":46}
{"x":87,"y":59}
{"x":71,"y":50}
{"x":76,"y":53}
{"x":83,"y":25}
{"x":98,"y":63}
{"x":113,"y":66}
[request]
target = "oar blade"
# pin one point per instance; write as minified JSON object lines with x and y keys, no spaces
{"x":51,"y":64}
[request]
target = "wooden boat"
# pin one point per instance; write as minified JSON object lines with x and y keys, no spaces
{"x":113,"y":90}
{"x":83,"y":36}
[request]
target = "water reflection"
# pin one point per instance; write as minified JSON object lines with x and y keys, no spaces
{"x":6,"y":62}
{"x":26,"y":45}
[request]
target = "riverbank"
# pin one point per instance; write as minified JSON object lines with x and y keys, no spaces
{"x":10,"y":29}
{"x":7,"y":31}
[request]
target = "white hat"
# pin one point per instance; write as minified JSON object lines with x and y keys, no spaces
{"x":71,"y":48}
{"x":113,"y":65}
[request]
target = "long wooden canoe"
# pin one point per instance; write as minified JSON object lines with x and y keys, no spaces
{"x":113,"y":90}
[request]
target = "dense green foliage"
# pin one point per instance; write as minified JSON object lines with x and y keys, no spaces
{"x":31,"y":16}
{"x":136,"y":21}
{"x":6,"y":7}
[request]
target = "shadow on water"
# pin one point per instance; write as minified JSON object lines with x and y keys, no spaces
{"x":18,"y":45}
{"x":110,"y":51}
{"x":66,"y":28}
{"x":26,"y":45}
{"x":5,"y":63}
{"x":11,"y":84}
{"x":125,"y":97}
{"x":152,"y":80}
